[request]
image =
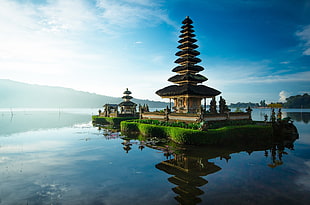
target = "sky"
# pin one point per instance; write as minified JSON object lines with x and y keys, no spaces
{"x":251,"y":50}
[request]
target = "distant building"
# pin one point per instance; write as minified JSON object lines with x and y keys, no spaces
{"x":126,"y":108}
{"x":189,"y":91}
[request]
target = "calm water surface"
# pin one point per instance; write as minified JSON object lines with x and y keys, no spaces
{"x":59,"y":157}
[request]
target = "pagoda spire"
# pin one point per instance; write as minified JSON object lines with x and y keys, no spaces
{"x":187,"y":94}
{"x":187,"y":69}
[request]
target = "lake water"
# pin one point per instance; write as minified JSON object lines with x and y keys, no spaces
{"x":59,"y":157}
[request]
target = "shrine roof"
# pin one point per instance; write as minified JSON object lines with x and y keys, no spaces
{"x":196,"y":68}
{"x":127,"y":103}
{"x":188,"y":77}
{"x":188,"y":89}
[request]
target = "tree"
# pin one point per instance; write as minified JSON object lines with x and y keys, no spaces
{"x":262,"y":103}
{"x":298,"y":101}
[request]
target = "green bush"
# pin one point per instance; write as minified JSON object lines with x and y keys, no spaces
{"x":128,"y":126}
{"x":110,"y":120}
{"x":241,"y":134}
{"x":169,"y":124}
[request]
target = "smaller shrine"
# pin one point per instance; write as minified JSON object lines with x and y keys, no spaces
{"x":127,"y":108}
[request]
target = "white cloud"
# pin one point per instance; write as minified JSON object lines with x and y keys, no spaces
{"x":284,"y":62}
{"x":62,"y":43}
{"x":283,"y":95}
{"x":249,"y":73}
{"x":132,"y":13}
{"x":67,"y":16}
{"x":304,"y":35}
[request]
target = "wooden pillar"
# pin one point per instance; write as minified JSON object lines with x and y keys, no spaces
{"x":205,"y":103}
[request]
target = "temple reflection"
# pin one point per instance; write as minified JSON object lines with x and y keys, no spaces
{"x":187,"y":174}
{"x":189,"y":165}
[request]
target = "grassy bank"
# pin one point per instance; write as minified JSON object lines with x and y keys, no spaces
{"x":114,"y":121}
{"x":224,"y":135}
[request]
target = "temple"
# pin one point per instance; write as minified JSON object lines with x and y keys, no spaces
{"x":188,"y":92}
{"x":127,"y":108}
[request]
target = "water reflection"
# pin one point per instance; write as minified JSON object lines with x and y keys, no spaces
{"x":190,"y":165}
{"x":300,"y":116}
{"x":18,"y":121}
{"x":187,"y":172}
{"x":80,"y":164}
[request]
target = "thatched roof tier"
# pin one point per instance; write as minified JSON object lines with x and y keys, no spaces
{"x":111,"y":105}
{"x":178,"y":181}
{"x":191,"y":175}
{"x":127,"y":92}
{"x":195,"y":68}
{"x":187,"y":20}
{"x":187,"y":30}
{"x":187,"y":45}
{"x":187,"y":90}
{"x":185,"y":35}
{"x":127,"y":97}
{"x":191,"y":40}
{"x":188,"y":59}
{"x":188,"y":77}
{"x":188,"y":51}
{"x":188,"y":193}
{"x":187,"y":26}
{"x":127,"y":103}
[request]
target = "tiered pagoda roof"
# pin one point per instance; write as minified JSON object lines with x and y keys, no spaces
{"x":127,"y":99}
{"x":187,"y":76}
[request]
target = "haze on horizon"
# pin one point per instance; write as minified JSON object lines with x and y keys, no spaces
{"x":251,"y":50}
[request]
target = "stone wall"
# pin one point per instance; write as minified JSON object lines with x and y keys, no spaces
{"x":188,"y":117}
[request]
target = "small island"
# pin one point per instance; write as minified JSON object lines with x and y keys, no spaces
{"x":189,"y":121}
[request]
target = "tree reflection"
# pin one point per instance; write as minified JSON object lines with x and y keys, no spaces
{"x":299,"y":116}
{"x":189,"y":165}
{"x":277,"y":151}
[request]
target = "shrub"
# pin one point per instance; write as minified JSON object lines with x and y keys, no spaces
{"x":115,"y":121}
{"x":241,"y":134}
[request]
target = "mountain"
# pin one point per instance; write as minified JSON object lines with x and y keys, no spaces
{"x":17,"y":94}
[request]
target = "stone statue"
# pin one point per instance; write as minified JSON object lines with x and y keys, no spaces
{"x":167,"y":111}
{"x":213,"y":106}
{"x":273,"y":116}
{"x":223,"y":107}
{"x":249,"y":110}
{"x":279,"y":115}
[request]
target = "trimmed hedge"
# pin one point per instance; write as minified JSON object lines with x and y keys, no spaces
{"x":110,"y":120}
{"x":225,"y":135}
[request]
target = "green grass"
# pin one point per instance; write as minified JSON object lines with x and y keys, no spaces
{"x":225,"y":135}
{"x":115,"y":121}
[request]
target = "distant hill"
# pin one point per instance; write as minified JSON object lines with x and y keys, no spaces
{"x":243,"y":105}
{"x":16,"y":94}
{"x":298,"y":101}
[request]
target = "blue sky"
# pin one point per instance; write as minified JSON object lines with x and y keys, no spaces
{"x":251,"y":49}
